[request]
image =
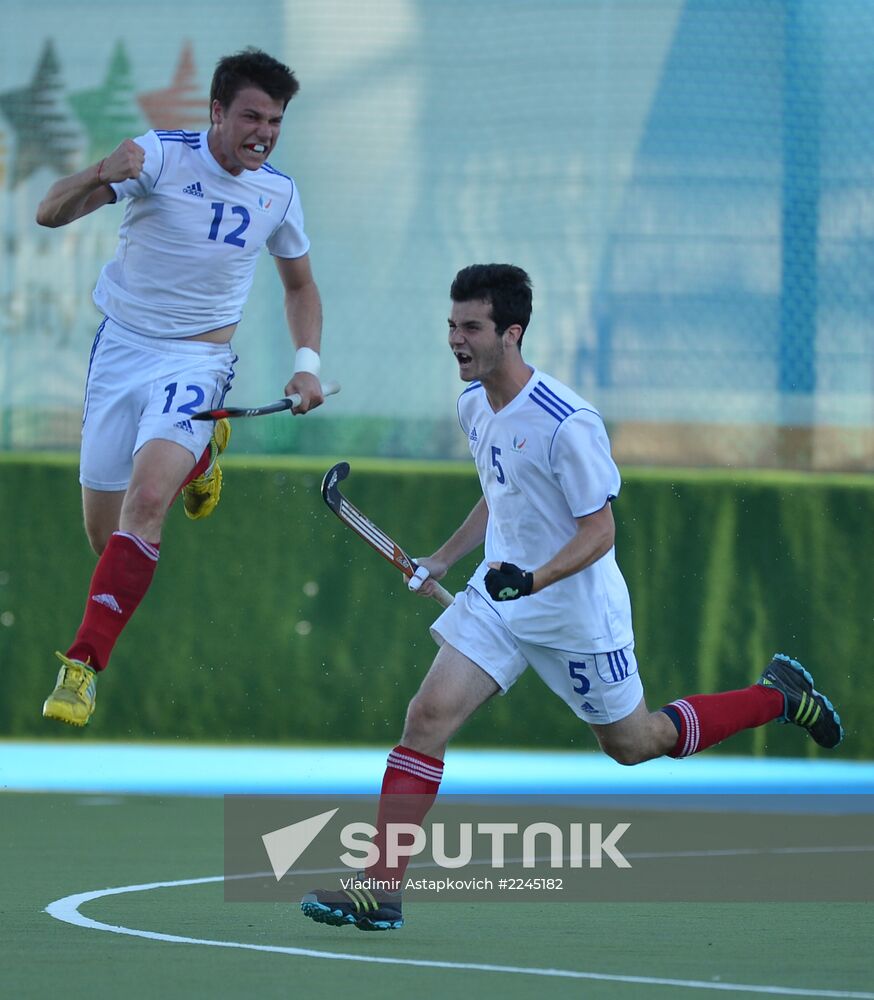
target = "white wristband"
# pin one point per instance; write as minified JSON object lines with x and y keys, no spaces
{"x":306,"y":360}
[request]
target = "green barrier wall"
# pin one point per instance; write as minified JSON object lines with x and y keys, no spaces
{"x":270,"y":621}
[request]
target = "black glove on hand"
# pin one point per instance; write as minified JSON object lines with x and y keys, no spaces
{"x":509,"y":582}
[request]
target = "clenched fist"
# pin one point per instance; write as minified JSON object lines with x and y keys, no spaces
{"x":124,"y":163}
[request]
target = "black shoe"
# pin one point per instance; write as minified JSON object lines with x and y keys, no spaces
{"x":367,"y":909}
{"x":803,"y":705}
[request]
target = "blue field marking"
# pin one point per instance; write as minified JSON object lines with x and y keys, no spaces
{"x":196,"y":769}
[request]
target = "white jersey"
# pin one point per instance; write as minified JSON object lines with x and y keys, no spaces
{"x":191,"y":237}
{"x":544,"y":460}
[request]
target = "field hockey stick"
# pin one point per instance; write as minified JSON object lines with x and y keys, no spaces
{"x":389,"y":549}
{"x":286,"y":403}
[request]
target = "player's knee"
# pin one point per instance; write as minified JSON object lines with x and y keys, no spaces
{"x":97,"y":543}
{"x":145,"y":504}
{"x":98,"y":537}
{"x":626,"y":754}
{"x":425,"y":717}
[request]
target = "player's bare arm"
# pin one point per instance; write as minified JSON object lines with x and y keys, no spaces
{"x":469,"y":535}
{"x":303,"y":313}
{"x":79,"y":194}
{"x":593,"y":539}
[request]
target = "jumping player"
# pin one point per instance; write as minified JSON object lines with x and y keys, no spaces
{"x":548,"y":594}
{"x":200,"y":206}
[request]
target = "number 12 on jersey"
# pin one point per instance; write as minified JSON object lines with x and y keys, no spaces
{"x":191,"y":405}
{"x":218,"y":211}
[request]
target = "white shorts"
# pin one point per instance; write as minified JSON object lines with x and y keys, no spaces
{"x":598,"y":687}
{"x":142,"y":388}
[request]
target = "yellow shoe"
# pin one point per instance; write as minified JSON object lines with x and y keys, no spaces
{"x":75,"y":693}
{"x":201,"y":495}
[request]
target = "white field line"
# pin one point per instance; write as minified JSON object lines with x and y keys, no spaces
{"x":67,"y":910}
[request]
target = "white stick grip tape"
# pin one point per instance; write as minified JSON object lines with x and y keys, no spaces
{"x":418,"y":578}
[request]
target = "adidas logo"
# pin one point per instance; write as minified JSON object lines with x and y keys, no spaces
{"x":587,"y":706}
{"x":184,"y":425}
{"x":108,"y":601}
{"x":194,"y":189}
{"x":808,"y":711}
{"x":472,"y":434}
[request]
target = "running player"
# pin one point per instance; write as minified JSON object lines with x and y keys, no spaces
{"x":200,"y":206}
{"x":548,"y":594}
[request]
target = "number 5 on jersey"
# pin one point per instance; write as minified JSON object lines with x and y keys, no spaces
{"x":496,"y":465}
{"x":577,"y":672}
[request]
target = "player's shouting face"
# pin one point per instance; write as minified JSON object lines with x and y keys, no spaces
{"x":246,"y":131}
{"x":479,"y":349}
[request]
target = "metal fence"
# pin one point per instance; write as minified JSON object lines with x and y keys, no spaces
{"x":690,"y":185}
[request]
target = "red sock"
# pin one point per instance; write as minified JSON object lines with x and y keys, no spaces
{"x":200,"y":466}
{"x":120,"y":581}
{"x":408,"y":792}
{"x":706,"y":719}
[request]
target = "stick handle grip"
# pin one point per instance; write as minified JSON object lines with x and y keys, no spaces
{"x":442,"y":596}
{"x":328,"y":389}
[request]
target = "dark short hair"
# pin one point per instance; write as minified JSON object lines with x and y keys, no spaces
{"x":505,"y":286}
{"x":251,"y":68}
